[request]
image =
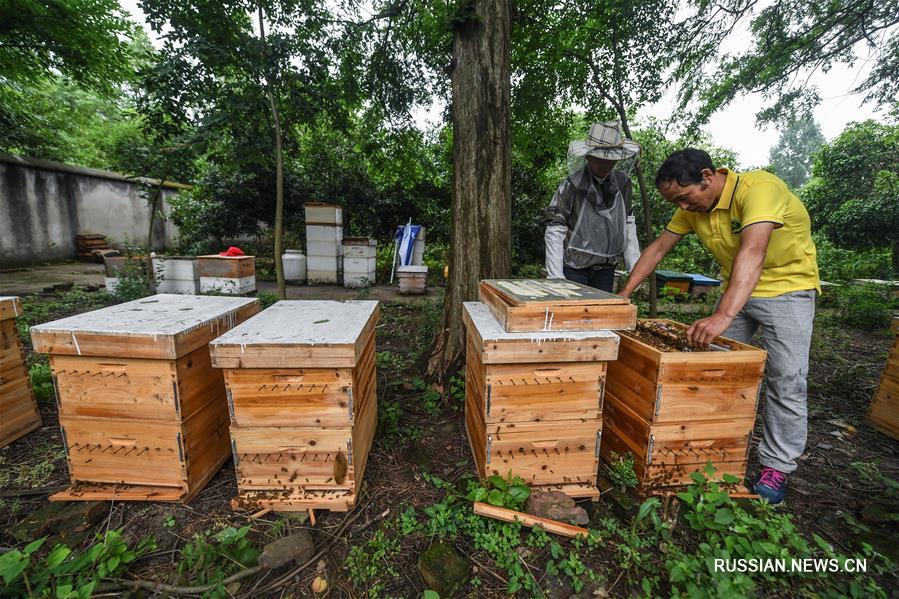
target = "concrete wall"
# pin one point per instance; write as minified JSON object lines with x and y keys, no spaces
{"x":44,"y":205}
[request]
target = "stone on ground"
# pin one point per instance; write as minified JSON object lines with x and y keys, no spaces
{"x":556,"y":505}
{"x":297,"y":547}
{"x":443,"y":569}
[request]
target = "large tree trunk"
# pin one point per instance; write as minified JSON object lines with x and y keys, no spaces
{"x":481,"y":227}
{"x":279,"y":170}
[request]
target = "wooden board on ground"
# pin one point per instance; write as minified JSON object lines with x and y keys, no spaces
{"x":160,"y":327}
{"x":555,"y":305}
{"x":497,"y":346}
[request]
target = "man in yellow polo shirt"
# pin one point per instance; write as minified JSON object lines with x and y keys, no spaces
{"x":760,"y":234}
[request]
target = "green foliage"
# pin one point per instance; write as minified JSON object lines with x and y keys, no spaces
{"x":727,"y":531}
{"x":41,"y":379}
{"x":621,"y":470}
{"x":790,"y":38}
{"x":457,"y":388}
{"x":82,"y":39}
{"x":67,"y":574}
{"x":509,"y":492}
{"x":867,"y":306}
{"x":791,"y":157}
{"x":431,"y":398}
{"x":209,"y":559}
{"x":839,"y":265}
{"x":369,"y":566}
{"x":267,"y":299}
{"x":131,"y":281}
{"x":852,"y":194}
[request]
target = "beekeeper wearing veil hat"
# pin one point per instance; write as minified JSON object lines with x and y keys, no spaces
{"x":590,"y":221}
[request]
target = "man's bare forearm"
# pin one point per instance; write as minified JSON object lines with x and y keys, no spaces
{"x":648,"y":261}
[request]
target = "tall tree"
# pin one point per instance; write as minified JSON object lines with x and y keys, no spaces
{"x":481,"y":225}
{"x":245,"y":72}
{"x":594,"y":54}
{"x":793,"y":39}
{"x":852,"y":195}
{"x":86,"y":40}
{"x":793,"y":154}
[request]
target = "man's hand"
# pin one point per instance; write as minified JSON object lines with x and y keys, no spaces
{"x":702,"y":332}
{"x":625,"y":294}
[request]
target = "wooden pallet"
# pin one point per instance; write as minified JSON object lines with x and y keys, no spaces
{"x":303,"y":399}
{"x":555,"y":305}
{"x":19,"y":413}
{"x":677,"y":411}
{"x":884,"y":411}
{"x":143,"y":413}
{"x":533,"y":402}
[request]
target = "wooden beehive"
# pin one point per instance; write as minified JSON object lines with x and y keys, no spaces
{"x":143,"y":413}
{"x":555,"y":305}
{"x":533,"y":402}
{"x":677,"y":410}
{"x":884,"y":412}
{"x":18,"y":410}
{"x":302,"y":393}
{"x":232,"y":275}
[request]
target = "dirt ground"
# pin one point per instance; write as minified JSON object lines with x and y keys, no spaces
{"x":829,"y":495}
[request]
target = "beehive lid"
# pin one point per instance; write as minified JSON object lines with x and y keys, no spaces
{"x":10,"y":307}
{"x":670,"y":275}
{"x":161,"y":326}
{"x":299,"y":334}
{"x":549,"y":292}
{"x":498,"y":346}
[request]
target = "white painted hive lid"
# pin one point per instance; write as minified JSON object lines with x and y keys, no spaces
{"x":491,"y":330}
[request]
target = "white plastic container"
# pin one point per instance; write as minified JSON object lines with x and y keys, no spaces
{"x":294,"y":266}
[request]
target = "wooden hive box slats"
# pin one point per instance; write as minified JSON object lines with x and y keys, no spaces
{"x":544,"y":453}
{"x":19,"y":413}
{"x":10,"y":308}
{"x":301,"y":379}
{"x":884,"y":411}
{"x":497,"y":346}
{"x":232,"y":267}
{"x":163,"y":327}
{"x":555,"y":306}
{"x":680,"y":448}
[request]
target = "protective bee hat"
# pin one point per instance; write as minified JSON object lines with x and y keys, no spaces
{"x":605,"y":140}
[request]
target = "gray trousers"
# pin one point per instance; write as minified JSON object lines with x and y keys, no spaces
{"x":786,"y":325}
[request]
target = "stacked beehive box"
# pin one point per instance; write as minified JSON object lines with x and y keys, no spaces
{"x":884,"y":413}
{"x":534,"y":397}
{"x":143,"y":413}
{"x":324,"y":237}
{"x":675,"y":410}
{"x":412,"y":279}
{"x":177,"y":274}
{"x":302,"y":391}
{"x":229,"y":275}
{"x":359,"y":261}
{"x":18,"y":410}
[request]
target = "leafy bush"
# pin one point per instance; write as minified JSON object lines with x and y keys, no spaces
{"x":510,"y":492}
{"x":209,"y":560}
{"x":267,"y":299}
{"x":65,"y":574}
{"x":41,"y":381}
{"x":838,"y":265}
{"x":867,"y":307}
{"x":131,"y":281}
{"x":621,"y":470}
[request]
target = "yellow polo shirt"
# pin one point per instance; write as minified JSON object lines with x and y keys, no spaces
{"x":755,"y":197}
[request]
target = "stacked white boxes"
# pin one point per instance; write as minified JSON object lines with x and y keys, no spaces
{"x":229,"y":275}
{"x":324,"y":237}
{"x":359,"y":261}
{"x":177,"y":274}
